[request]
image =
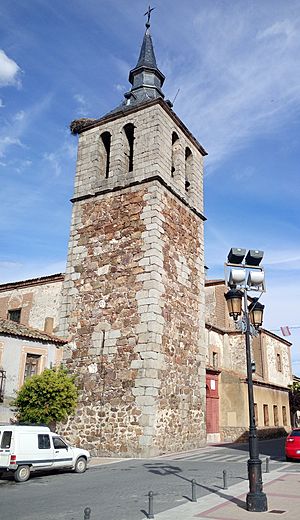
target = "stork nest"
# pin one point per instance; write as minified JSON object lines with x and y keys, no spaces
{"x":79,"y":124}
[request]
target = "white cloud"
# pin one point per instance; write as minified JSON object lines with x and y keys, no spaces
{"x":282,"y":303}
{"x":237,"y":82}
{"x":1,"y":103}
{"x":57,"y":159}
{"x":54,"y":161}
{"x":283,"y":28}
{"x":120,"y":88}
{"x":22,"y":165}
{"x":12,"y":132}
{"x":9,"y":265}
{"x":82,"y":107}
{"x":7,"y":141}
{"x":9,"y":71}
{"x":15,"y":271}
{"x":19,"y":116}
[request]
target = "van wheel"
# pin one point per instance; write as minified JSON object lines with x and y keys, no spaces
{"x":80,"y":465}
{"x":22,"y":474}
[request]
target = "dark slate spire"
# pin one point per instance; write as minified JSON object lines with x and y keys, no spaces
{"x":146,"y":79}
{"x":147,"y":57}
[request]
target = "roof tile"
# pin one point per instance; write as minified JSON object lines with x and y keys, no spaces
{"x":12,"y":328}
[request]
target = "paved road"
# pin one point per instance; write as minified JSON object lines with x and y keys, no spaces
{"x":119,"y":491}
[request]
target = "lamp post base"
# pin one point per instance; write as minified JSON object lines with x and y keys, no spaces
{"x":257,"y":502}
{"x":256,"y":499}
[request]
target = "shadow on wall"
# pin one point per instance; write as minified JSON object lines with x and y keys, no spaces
{"x":265,"y":433}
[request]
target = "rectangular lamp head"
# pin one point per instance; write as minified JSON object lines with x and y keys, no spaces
{"x":236,"y":255}
{"x":254,"y":257}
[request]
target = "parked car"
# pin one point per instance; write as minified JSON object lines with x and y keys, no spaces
{"x":292,"y":445}
{"x":31,"y":448}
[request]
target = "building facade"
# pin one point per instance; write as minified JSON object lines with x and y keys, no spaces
{"x":35,"y":302}
{"x":24,"y":352}
{"x":226,"y":384}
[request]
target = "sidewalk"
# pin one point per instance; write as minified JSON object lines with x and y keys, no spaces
{"x":282,"y":490}
{"x":100,"y":461}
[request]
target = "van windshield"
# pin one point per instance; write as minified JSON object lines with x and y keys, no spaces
{"x":59,"y":444}
{"x":6,"y":440}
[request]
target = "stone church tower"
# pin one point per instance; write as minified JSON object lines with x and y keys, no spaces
{"x":133,"y":297}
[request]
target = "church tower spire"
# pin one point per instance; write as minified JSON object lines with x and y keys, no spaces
{"x":146,"y":78}
{"x":133,"y":295}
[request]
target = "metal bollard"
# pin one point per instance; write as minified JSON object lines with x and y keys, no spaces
{"x":267,"y":465}
{"x":87,"y":513}
{"x":225,"y":485}
{"x":194,"y":495}
{"x":150,"y":514}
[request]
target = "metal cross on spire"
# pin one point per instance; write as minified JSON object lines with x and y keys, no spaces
{"x":148,"y":14}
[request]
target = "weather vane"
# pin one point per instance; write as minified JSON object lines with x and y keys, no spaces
{"x":148,"y":14}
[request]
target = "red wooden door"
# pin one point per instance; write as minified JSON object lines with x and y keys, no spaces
{"x":212,"y":403}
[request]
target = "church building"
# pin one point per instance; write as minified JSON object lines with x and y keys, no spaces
{"x":133,"y":296}
{"x":159,"y":366}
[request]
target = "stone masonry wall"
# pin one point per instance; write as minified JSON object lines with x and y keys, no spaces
{"x":133,"y":304}
{"x":216,"y":312}
{"x":273,"y":347}
{"x":99,"y":304}
{"x":181,"y":408}
{"x":37,"y":302}
{"x":153,"y":129}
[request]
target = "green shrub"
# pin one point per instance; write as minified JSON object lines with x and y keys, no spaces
{"x":46,"y":398}
{"x":294,"y":398}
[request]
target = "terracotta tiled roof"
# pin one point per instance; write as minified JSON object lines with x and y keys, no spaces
{"x":215,"y":282}
{"x":12,"y":328}
{"x":58,"y":277}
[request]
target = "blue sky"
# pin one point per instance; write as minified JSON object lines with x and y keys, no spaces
{"x":236,"y":64}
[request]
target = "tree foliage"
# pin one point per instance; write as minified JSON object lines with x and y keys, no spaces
{"x":294,"y":398}
{"x":46,"y":398}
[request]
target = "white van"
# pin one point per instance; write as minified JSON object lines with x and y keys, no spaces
{"x":30,"y":448}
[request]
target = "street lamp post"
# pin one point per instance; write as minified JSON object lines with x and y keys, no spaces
{"x":237,"y":298}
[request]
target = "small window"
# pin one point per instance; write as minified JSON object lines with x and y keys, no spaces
{"x":14,"y":315}
{"x":6,"y":440}
{"x":188,"y":168}
{"x":106,"y":141}
{"x":44,"y":442}
{"x":266,"y":415}
{"x":129,"y":132}
{"x":278,"y":362}
{"x":215,"y":360}
{"x":59,"y":444}
{"x":175,"y":150}
{"x":31,"y":365}
{"x":275,"y":413}
{"x":284,"y":416}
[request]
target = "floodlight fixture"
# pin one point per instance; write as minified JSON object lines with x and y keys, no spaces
{"x":236,"y":255}
{"x":254,"y":257}
{"x":256,"y":280}
{"x":236,"y":277}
